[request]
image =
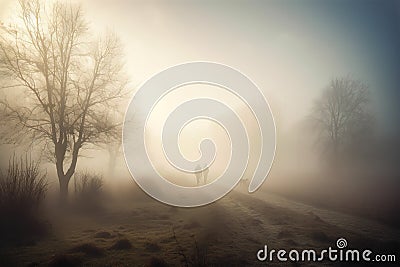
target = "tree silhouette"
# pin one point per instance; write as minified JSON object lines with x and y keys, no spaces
{"x":341,"y":114}
{"x":71,"y":83}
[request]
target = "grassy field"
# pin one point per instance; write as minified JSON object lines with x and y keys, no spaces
{"x":139,"y":231}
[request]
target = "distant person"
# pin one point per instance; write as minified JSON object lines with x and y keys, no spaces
{"x":205,"y":173}
{"x":198,"y":174}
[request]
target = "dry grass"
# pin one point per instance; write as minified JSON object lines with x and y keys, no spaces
{"x":226,"y":236}
{"x":65,"y":260}
{"x":89,"y":249}
{"x":22,"y":190}
{"x":88,"y":191}
{"x":87,"y":184}
{"x":122,"y":244}
{"x":22,"y":187}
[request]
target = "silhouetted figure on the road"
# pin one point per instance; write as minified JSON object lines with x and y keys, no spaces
{"x":198,"y":174}
{"x":205,"y":173}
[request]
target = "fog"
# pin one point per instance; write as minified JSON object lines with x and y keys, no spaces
{"x":293,"y":51}
{"x":290,"y":55}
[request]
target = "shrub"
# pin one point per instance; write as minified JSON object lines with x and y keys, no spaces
{"x":22,"y":190}
{"x":88,"y":190}
{"x":199,"y":256}
{"x":122,"y":244}
{"x":89,"y":249}
{"x":87,"y":185}
{"x":23,"y":187}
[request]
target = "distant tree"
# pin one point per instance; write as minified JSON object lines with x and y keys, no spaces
{"x":71,"y":82}
{"x":113,"y":145}
{"x":341,"y":115}
{"x":114,"y":150}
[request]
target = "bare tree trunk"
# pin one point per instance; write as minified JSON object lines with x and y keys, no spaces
{"x":64,"y":178}
{"x":336,"y":155}
{"x":63,"y":190}
{"x":112,"y":160}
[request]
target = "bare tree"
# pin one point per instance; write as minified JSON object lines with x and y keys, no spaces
{"x":70,"y":83}
{"x":113,"y":145}
{"x":341,"y":114}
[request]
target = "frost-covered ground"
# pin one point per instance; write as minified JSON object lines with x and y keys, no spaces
{"x":139,"y":231}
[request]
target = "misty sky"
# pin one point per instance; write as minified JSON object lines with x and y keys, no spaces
{"x":291,"y":49}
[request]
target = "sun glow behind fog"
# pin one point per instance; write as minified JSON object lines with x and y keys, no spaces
{"x":156,"y":36}
{"x":192,"y":134}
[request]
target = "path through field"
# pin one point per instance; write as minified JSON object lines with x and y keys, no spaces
{"x":226,"y":233}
